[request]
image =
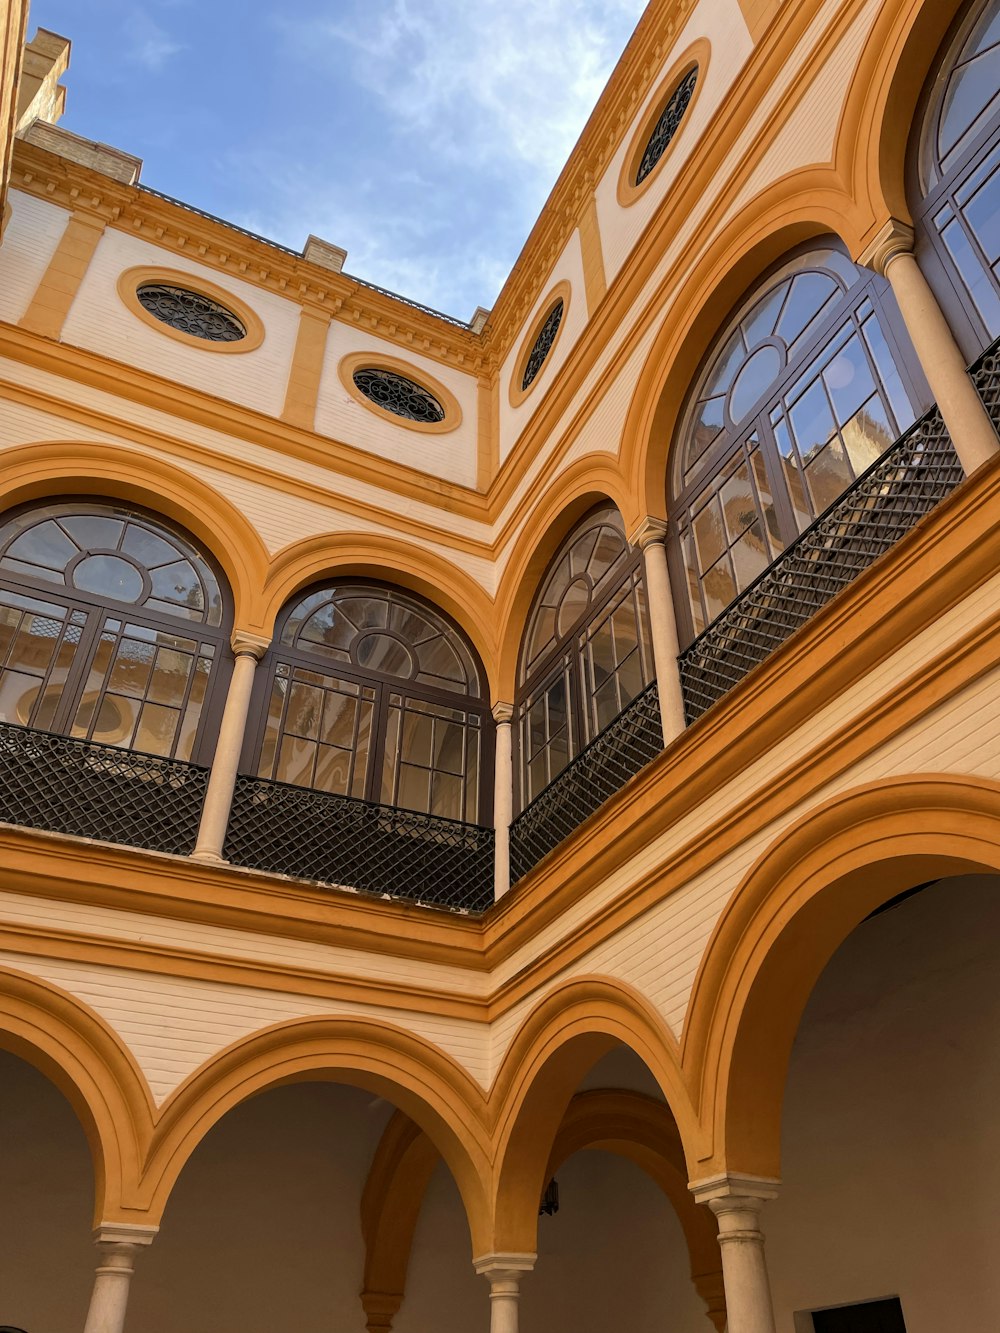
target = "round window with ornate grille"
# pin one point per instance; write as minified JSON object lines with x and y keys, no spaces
{"x":399,"y":395}
{"x":667,"y":124}
{"x":543,"y":343}
{"x":190,"y":312}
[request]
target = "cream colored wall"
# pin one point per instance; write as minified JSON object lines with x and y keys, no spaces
{"x":721,"y":22}
{"x":29,"y":242}
{"x":100,"y":321}
{"x":452,"y":455}
{"x":891,"y":1145}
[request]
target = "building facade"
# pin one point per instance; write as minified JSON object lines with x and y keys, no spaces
{"x":501,"y":819}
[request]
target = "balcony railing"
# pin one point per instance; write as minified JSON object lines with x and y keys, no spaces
{"x":616,"y":754}
{"x":881,"y":507}
{"x":986,"y":376}
{"x":341,"y":841}
{"x":99,"y":791}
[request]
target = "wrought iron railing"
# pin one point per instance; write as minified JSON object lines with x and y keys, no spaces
{"x":598,"y":771}
{"x":338,"y":840}
{"x":882,"y":506}
{"x":985,"y":374}
{"x":99,"y":791}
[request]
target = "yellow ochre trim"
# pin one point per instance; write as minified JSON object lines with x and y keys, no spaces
{"x":132,"y":279}
{"x":379,"y":361}
{"x":560,"y":292}
{"x":61,"y":281}
{"x":695,"y":57}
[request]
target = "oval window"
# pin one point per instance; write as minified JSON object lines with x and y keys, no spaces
{"x":397,"y":394}
{"x":190,"y":312}
{"x":667,"y":124}
{"x":543,"y":343}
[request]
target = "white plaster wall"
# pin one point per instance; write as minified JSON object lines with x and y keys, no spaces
{"x":100,"y":321}
{"x":891,"y":1143}
{"x":569,"y":268}
{"x":29,"y":242}
{"x":722,"y":23}
{"x":452,"y":455}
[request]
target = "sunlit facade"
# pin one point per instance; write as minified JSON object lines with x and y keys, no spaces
{"x":501,"y":818}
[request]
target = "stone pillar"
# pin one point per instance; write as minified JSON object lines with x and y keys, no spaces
{"x":118,"y":1244}
{"x":650,"y":536}
{"x":503,"y":797}
{"x":381,"y":1308}
{"x":736,"y":1201}
{"x":503,"y":1272}
{"x":249,"y":649}
{"x":961,"y":408}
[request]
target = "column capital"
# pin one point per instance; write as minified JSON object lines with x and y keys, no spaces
{"x":651,"y":531}
{"x":504,"y":1267}
{"x":249,"y":645}
{"x":733,"y":1186}
{"x":893,"y":238}
{"x":502,"y":712}
{"x":124,"y":1233}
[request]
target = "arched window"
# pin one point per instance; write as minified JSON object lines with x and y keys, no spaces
{"x":373,"y":694}
{"x":112,"y":628}
{"x":956,"y":181}
{"x":586,"y":652}
{"x":803,"y":391}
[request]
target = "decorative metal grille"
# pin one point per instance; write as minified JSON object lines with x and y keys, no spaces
{"x":190,"y":312}
{"x":543,"y":343}
{"x":986,"y":376}
{"x":99,"y":791}
{"x":880,"y":508}
{"x":357,"y":844}
{"x":667,"y":125}
{"x":398,"y":395}
{"x":612,"y":757}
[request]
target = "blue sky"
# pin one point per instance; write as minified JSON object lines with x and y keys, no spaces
{"x":421,"y":135}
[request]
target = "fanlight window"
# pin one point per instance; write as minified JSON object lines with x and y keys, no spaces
{"x":190,"y":312}
{"x":959,"y":176}
{"x":667,"y":125}
{"x":111,"y":628}
{"x":399,"y":395}
{"x":804,"y":392}
{"x":542,"y":344}
{"x":586,"y":652}
{"x":374,"y":695}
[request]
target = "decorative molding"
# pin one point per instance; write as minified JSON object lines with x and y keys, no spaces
{"x":504,"y":1267}
{"x":650,"y":532}
{"x":893,"y":239}
{"x":142,"y":275}
{"x":503,"y":713}
{"x":733,"y":1185}
{"x":697,"y":57}
{"x":124,"y":1233}
{"x":249,"y":645}
{"x":378,"y":360}
{"x":516,"y":394}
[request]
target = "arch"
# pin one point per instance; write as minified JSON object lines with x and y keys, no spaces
{"x":798,"y":903}
{"x":590,"y":481}
{"x":390,"y":560}
{"x":77,"y":1051}
{"x":800,"y":207}
{"x":871,"y":144}
{"x":65,"y":468}
{"x":423,"y":1082}
{"x":562,"y":1038}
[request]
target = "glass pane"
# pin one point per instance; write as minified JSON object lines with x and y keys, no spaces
{"x":108,"y":576}
{"x":365,"y":612}
{"x":449,"y":746}
{"x":705,"y":428}
{"x":977,"y":279}
{"x":339,"y":716}
{"x":709,"y":532}
{"x":305,"y":707}
{"x":99,"y":665}
{"x":157,"y":729}
{"x":382,"y":653}
{"x":446,"y":798}
{"x":45,"y":544}
{"x":763,"y":483}
{"x":414,"y":791}
{"x":148,"y":548}
{"x":192,"y":713}
{"x":437,"y":658}
{"x":133,"y":665}
{"x":606,"y":706}
{"x":750,"y":555}
{"x":719,"y":588}
{"x":812,"y":421}
{"x":807,"y":298}
{"x":575,"y":601}
{"x":849,"y":379}
{"x":730,"y":359}
{"x":418,"y":737}
{"x":116,"y":721}
{"x":739,"y":504}
{"x":754,"y":380}
{"x":630,"y":680}
{"x":759,"y":324}
{"x":274,"y":706}
{"x":94,"y":533}
{"x":829,"y":475}
{"x":867,"y":435}
{"x":608,"y":551}
{"x":333,"y":770}
{"x":982,"y":213}
{"x":178,"y":583}
{"x":18,"y":694}
{"x":170,"y":677}
{"x":295,"y":761}
{"x":970,"y":91}
{"x":899,"y":400}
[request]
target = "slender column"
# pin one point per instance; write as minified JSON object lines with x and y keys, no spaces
{"x":961,"y":408}
{"x":650,"y":536}
{"x":119,"y":1245}
{"x":503,"y":1272}
{"x":503,"y":797}
{"x":381,"y":1308}
{"x":736,"y":1201}
{"x":249,"y":649}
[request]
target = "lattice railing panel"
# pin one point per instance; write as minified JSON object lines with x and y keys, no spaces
{"x":986,"y":376}
{"x":99,"y":791}
{"x":612,"y":757}
{"x":356,"y":844}
{"x":881,"y":507}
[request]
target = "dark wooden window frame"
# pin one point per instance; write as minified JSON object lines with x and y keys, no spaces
{"x":567,"y":655}
{"x":384,"y":685}
{"x":931,"y":252}
{"x":98,"y":609}
{"x":721,"y":453}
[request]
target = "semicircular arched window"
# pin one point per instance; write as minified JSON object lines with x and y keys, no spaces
{"x":542,"y":345}
{"x":957,"y":209}
{"x":373,"y":694}
{"x":396,"y":394}
{"x":586,"y":652}
{"x":667,"y":125}
{"x":803,"y":391}
{"x":112,"y":627}
{"x":190,"y":312}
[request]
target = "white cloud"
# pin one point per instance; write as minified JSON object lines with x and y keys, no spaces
{"x":149,"y":44}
